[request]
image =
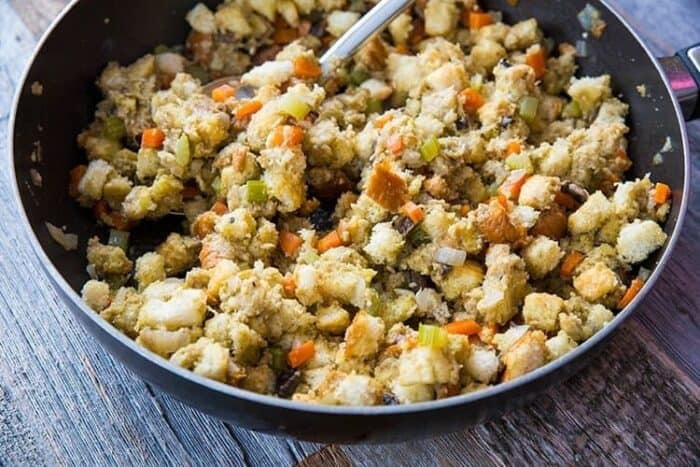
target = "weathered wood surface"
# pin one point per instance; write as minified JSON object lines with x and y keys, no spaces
{"x":65,"y":401}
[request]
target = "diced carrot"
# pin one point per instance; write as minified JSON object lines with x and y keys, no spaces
{"x":464,"y":209}
{"x":503,"y":201}
{"x":413,"y":212}
{"x":565,"y":200}
{"x":289,"y":285}
{"x":515,"y":181}
{"x":290,"y":243}
{"x":381,"y":121}
{"x":514,"y":147}
{"x":631,"y":292}
{"x":220,"y":208}
{"x":223,"y":92}
{"x":283,"y":36}
{"x":662,"y":193}
{"x":152,"y":138}
{"x":301,"y":354}
{"x":247,"y":109}
{"x":305,"y":67}
{"x":537,"y":61}
{"x":331,"y":240}
{"x":395,"y":144}
{"x":411,"y":343}
{"x":387,"y":188}
{"x":471,"y":99}
{"x":478,"y":19}
{"x":101,"y":210}
{"x":466,"y":327}
{"x":190,"y":192}
{"x":76,"y":174}
{"x":286,"y":136}
{"x":572,"y":260}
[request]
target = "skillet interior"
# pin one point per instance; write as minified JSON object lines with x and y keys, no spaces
{"x":95,"y":32}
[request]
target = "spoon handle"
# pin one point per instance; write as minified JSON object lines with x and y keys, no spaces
{"x":373,"y":21}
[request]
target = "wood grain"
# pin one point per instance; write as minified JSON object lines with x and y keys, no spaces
{"x":63,"y":400}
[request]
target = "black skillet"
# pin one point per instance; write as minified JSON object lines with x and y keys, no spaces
{"x":89,"y":33}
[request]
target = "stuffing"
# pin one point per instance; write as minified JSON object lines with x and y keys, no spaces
{"x":542,"y":256}
{"x":559,"y":345}
{"x":596,"y":282}
{"x":525,"y":355}
{"x":482,"y":365}
{"x":638,"y":240}
{"x":538,"y":191}
{"x":426,"y":365}
{"x":96,"y":295}
{"x":110,"y":262}
{"x":504,"y":285}
{"x":332,"y":319}
{"x":167,"y":305}
{"x":205,"y":358}
{"x":150,"y":268}
{"x":321,"y":221}
{"x":340,"y":21}
{"x":541,"y":310}
{"x":385,"y":244}
{"x":179,"y":253}
{"x":589,"y":92}
{"x":591,"y":215}
{"x":440,"y":17}
{"x":123,"y":311}
{"x":364,"y":336}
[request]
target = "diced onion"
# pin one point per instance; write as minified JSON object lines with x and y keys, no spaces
{"x":68,"y":241}
{"x":644,"y":274}
{"x":572,"y":110}
{"x":520,"y":161}
{"x":450,"y":256}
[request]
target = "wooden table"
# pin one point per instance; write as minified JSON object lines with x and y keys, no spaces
{"x":63,"y":400}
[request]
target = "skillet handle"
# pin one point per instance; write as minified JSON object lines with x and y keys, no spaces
{"x":683,"y":72}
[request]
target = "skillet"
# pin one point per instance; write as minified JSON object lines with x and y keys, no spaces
{"x":89,"y":33}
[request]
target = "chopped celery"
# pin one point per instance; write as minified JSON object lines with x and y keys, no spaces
{"x":216,"y":186}
{"x":432,"y":336}
{"x":161,"y":49}
{"x":295,"y":107}
{"x":256,"y":191}
{"x":430,"y":149}
{"x":182,"y":150}
{"x":278,"y":359}
{"x":520,"y":161}
{"x":114,"y":128}
{"x":198,"y":72}
{"x":358,"y":75}
{"x":528,"y":108}
{"x":572,"y":110}
{"x":374,"y":106}
{"x":418,"y":237}
{"x":119,"y":238}
{"x":375,"y":303}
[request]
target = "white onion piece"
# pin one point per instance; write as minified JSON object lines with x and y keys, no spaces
{"x":68,"y":241}
{"x":450,"y":256}
{"x":581,"y":48}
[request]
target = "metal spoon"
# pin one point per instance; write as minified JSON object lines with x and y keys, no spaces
{"x":343,"y":49}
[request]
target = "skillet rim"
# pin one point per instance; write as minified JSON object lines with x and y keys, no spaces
{"x":551,"y":368}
